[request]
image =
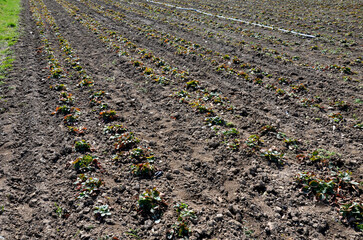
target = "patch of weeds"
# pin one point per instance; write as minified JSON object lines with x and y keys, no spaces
{"x":337,"y":117}
{"x":358,"y":101}
{"x":151,"y":204}
{"x":109,"y":115}
{"x":352,"y":212}
{"x":273,"y":156}
{"x":88,"y":186}
{"x":359,"y":125}
{"x":254,"y":142}
{"x":86,"y":163}
{"x":126,"y":141}
{"x":2,"y":209}
{"x":143,"y":170}
{"x":114,"y":129}
{"x":102,"y":211}
{"x":82,"y":146}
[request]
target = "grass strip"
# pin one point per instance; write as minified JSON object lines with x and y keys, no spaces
{"x":9,"y":16}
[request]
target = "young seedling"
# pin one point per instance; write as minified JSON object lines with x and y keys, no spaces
{"x":193,"y":84}
{"x":82,"y":146}
{"x":77,"y":130}
{"x":101,"y":212}
{"x":126,"y":141}
{"x":139,"y":155}
{"x":65,"y":110}
{"x":181,"y":228}
{"x":97,"y":97}
{"x":273,"y":156}
{"x":115,"y":129}
{"x":337,"y":117}
{"x":70,"y":119}
{"x":151,"y":204}
{"x":86,"y":163}
{"x":267,"y":129}
{"x":88,"y":186}
{"x":231,"y":132}
{"x":143,"y":170}
{"x":59,"y":87}
{"x":66,"y":98}
{"x":212,"y":121}
{"x":109,"y":115}
{"x":86,"y":82}
{"x":254,"y":142}
{"x":352,"y":212}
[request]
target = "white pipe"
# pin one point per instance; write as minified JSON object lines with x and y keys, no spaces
{"x":234,"y":19}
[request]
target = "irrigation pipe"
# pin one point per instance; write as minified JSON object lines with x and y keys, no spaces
{"x":234,"y":19}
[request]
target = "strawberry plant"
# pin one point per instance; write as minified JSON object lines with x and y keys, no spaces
{"x":143,"y":170}
{"x":211,"y":121}
{"x":65,"y":110}
{"x":126,"y":141}
{"x":254,"y":142}
{"x":337,"y":117}
{"x":88,"y":186}
{"x":102,"y":211}
{"x":66,"y":98}
{"x":330,"y":188}
{"x":181,"y":228}
{"x":352,"y":212}
{"x":193,"y":84}
{"x":273,"y":155}
{"x":59,"y":87}
{"x":70,"y":119}
{"x":86,"y":82}
{"x":140,"y":154}
{"x":86,"y":163}
{"x":77,"y":130}
{"x":115,"y":129}
{"x":82,"y":146}
{"x":341,"y":105}
{"x":231,"y":132}
{"x":109,"y":115}
{"x":267,"y":129}
{"x":97,"y":97}
{"x":151,"y":204}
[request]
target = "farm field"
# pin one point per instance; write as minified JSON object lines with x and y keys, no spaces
{"x":138,"y":119}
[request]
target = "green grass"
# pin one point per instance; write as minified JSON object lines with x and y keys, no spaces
{"x":9,"y":15}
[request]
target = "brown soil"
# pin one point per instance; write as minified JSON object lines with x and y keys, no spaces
{"x":235,"y":194}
